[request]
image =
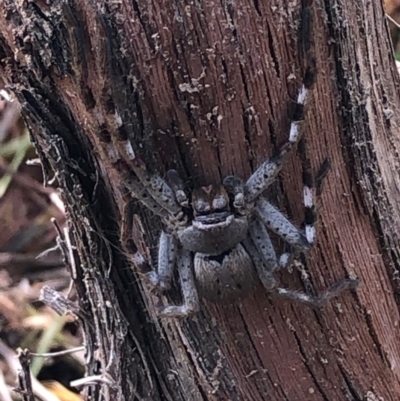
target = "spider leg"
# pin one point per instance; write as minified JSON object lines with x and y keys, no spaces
{"x":157,"y":187}
{"x":124,"y":159}
{"x":263,"y":254}
{"x":286,"y":259}
{"x":173,"y":217}
{"x":190,"y":297}
{"x":263,"y":177}
{"x":166,"y":262}
{"x":262,"y":241}
{"x":176,"y":184}
{"x":128,"y":224}
{"x":311,"y":186}
{"x":279,"y":224}
{"x":161,"y":194}
{"x":268,"y":280}
{"x":319,"y":300}
{"x":139,"y":191}
{"x":264,"y":271}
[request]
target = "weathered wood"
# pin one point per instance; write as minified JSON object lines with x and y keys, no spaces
{"x":205,"y":88}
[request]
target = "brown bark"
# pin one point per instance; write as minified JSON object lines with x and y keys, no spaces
{"x":204,"y":87}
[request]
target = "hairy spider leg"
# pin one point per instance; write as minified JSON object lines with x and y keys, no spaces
{"x":156,"y":186}
{"x":262,"y":241}
{"x":312,"y":189}
{"x":319,"y":300}
{"x":279,"y":224}
{"x":161,"y":202}
{"x":263,"y":177}
{"x":139,"y":191}
{"x":269,"y":282}
{"x":167,"y":248}
{"x":133,"y":252}
{"x":151,"y":190}
{"x":263,"y":271}
{"x":190,"y":297}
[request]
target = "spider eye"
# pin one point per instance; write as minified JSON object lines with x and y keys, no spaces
{"x":209,"y":200}
{"x":201,"y":206}
{"x":220,"y":202}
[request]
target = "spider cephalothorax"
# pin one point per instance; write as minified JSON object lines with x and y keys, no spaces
{"x":214,"y":228}
{"x":219,"y":240}
{"x":223,"y":270}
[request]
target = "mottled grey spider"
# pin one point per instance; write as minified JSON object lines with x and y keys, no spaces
{"x":220,"y":242}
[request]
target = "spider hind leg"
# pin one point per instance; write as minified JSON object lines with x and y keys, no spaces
{"x":318,"y":301}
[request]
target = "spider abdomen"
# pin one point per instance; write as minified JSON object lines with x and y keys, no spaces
{"x":226,"y":277}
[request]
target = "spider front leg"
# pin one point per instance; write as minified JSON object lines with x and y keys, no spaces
{"x":263,"y":177}
{"x":167,"y":247}
{"x":157,"y":187}
{"x":190,"y":297}
{"x":139,"y":191}
{"x":279,"y":224}
{"x":148,"y":183}
{"x":312,"y":189}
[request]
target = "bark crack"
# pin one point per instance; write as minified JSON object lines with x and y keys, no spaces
{"x":309,"y":369}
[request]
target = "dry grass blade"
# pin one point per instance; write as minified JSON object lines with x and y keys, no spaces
{"x":38,"y":389}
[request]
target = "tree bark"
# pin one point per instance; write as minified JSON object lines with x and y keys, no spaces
{"x":205,"y":88}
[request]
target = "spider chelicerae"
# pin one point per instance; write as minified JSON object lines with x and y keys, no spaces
{"x":219,"y":239}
